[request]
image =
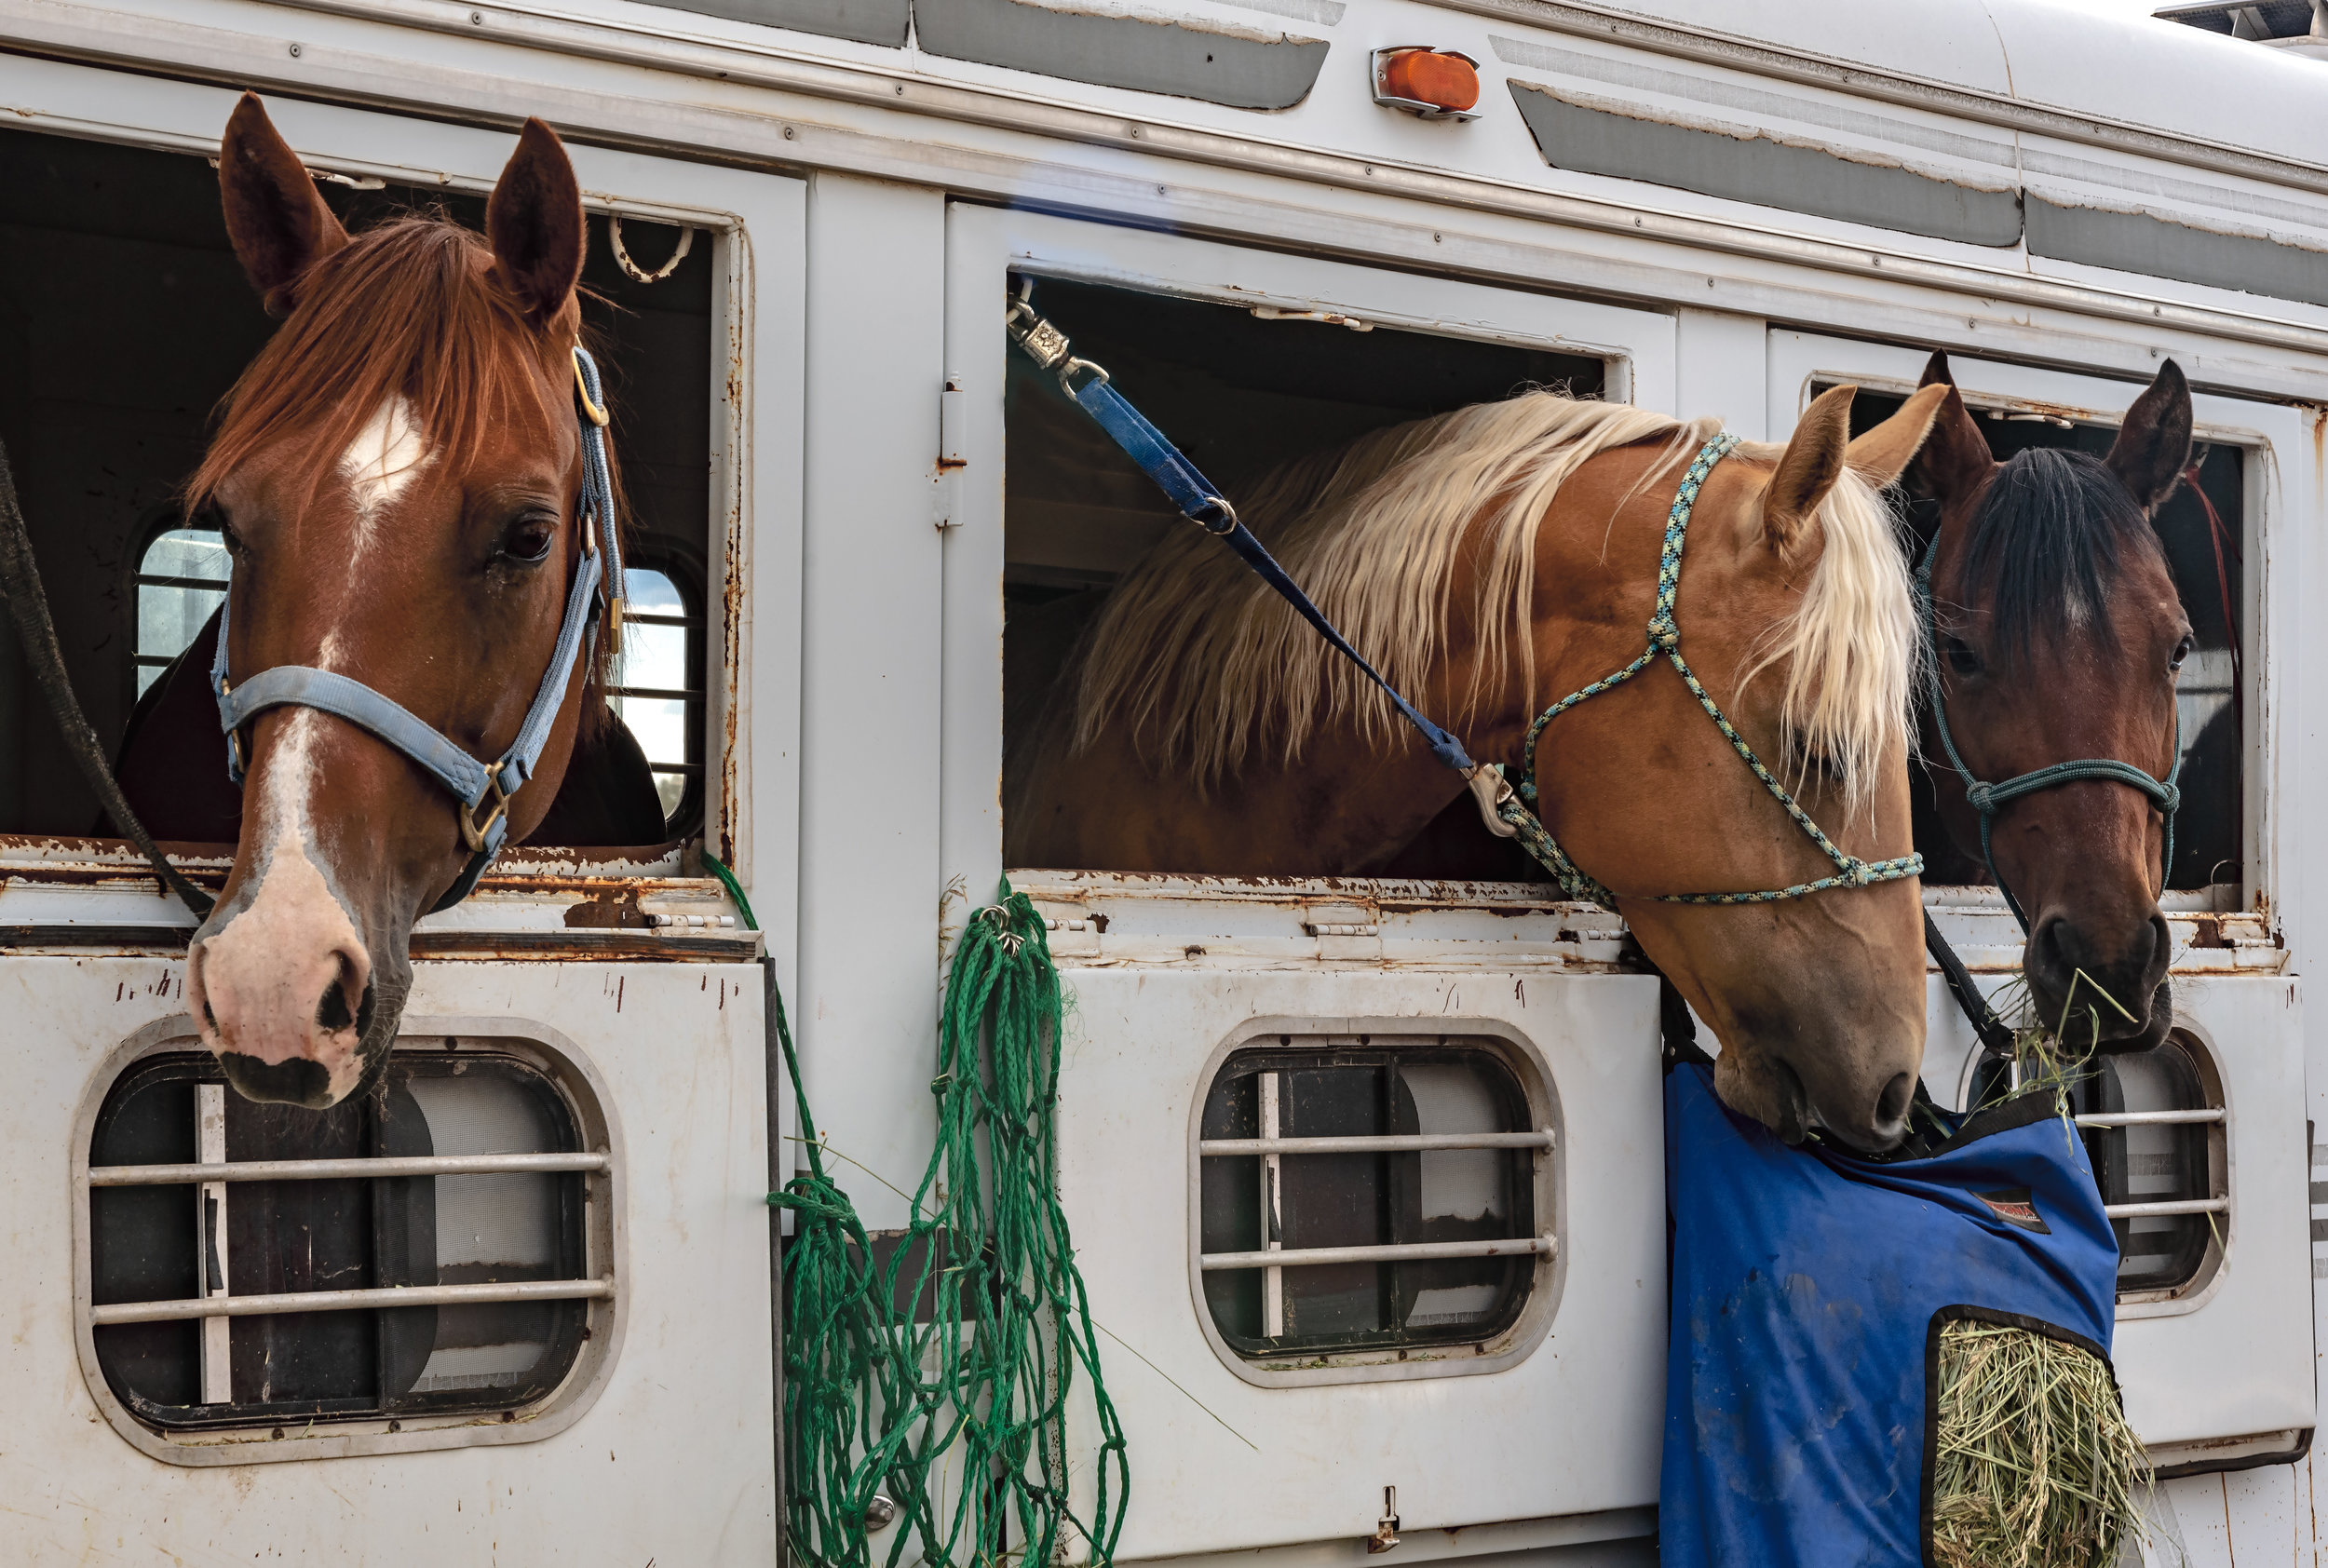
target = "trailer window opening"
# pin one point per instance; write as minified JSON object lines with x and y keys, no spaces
{"x":1241,"y":390}
{"x":2210,"y":828}
{"x":181,"y":582}
{"x":486,"y":1211}
{"x":104,"y":438}
{"x":1409,"y":1172}
{"x":658,"y":695}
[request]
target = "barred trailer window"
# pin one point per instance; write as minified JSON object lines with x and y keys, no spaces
{"x":1369,"y":1196}
{"x":426,"y":1251}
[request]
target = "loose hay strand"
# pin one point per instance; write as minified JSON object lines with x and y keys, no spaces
{"x":2033,"y":1462}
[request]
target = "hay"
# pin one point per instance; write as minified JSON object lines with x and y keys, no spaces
{"x":2034,"y":1463}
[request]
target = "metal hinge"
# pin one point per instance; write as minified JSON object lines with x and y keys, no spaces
{"x":953,"y":454}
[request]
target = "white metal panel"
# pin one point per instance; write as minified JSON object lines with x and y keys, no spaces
{"x":1719,"y":370}
{"x":674,"y":1460}
{"x":1571,"y":1429}
{"x":871,"y":617}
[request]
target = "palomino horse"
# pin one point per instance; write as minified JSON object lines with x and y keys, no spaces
{"x":2058,"y":635}
{"x":398,"y":475}
{"x":1484,"y":559}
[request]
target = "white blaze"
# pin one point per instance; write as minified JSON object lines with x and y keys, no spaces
{"x":384,"y":456}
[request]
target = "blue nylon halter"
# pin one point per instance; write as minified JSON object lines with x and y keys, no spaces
{"x":597,"y":581}
{"x":1200,"y":503}
{"x":1989,"y":798}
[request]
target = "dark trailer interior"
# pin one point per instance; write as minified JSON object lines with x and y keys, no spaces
{"x":123,"y":319}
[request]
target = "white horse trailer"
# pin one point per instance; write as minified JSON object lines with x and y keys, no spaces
{"x":844,"y":485}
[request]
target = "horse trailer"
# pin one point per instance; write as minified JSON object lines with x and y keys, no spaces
{"x":806,"y":222}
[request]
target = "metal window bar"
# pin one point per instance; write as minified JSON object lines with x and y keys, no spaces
{"x":216,"y":1309}
{"x":209,"y":1251}
{"x":665,"y":694}
{"x":1278,"y":1259}
{"x":1272,"y":1213}
{"x":2179,"y":1205}
{"x":2151,"y":1118}
{"x":1387,"y":1144}
{"x":221,"y":1170}
{"x":214,"y":1172}
{"x":207,"y":585}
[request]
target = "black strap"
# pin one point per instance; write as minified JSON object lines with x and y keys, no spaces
{"x":1996,"y":1038}
{"x":1677,"y":1028}
{"x":19,"y":581}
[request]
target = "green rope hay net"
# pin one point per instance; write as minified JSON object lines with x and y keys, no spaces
{"x":936,"y":1374}
{"x":2033,"y":1462}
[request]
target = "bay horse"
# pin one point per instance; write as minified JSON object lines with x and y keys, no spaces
{"x":397,"y":476}
{"x":2058,"y":632}
{"x":1484,"y":559}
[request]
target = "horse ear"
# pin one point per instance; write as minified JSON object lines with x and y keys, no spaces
{"x":1882,"y":455}
{"x":1954,"y":459}
{"x":1808,"y":467}
{"x":534,"y":221}
{"x":275,"y":215}
{"x":2153,"y":446}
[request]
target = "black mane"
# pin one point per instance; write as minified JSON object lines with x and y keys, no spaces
{"x":2049,"y":542}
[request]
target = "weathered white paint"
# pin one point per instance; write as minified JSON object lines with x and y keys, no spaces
{"x":673,"y":1461}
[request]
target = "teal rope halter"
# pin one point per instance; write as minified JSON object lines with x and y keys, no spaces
{"x":1989,"y":798}
{"x":1664,"y":641}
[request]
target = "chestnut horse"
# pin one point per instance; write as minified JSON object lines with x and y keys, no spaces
{"x":2058,"y":633}
{"x":1486,"y":560}
{"x":398,"y":475}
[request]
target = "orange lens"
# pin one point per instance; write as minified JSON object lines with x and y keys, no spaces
{"x":1444,"y":80}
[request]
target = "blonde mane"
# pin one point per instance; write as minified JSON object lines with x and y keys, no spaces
{"x":1209,"y":667}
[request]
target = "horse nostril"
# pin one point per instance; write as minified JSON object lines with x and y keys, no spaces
{"x":333,"y":1014}
{"x":1891,"y":1107}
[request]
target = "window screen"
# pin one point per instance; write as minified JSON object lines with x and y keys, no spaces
{"x":491,"y":1225}
{"x":1362,"y":1196}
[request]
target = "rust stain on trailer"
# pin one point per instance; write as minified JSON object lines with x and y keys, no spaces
{"x":732,"y":598}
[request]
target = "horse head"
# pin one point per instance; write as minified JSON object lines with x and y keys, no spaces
{"x":1795,"y":613}
{"x":398,"y":475}
{"x":2057,"y":634}
{"x":1486,"y":560}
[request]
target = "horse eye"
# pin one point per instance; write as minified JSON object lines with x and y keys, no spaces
{"x":1961,"y":659}
{"x":531,"y":538}
{"x":2182,"y":651}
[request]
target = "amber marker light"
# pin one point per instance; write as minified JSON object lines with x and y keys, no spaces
{"x":1434,"y":83}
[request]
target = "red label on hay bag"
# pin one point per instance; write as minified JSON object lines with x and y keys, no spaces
{"x":2014,"y":1206}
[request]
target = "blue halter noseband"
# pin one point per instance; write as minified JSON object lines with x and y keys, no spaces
{"x":475,"y":785}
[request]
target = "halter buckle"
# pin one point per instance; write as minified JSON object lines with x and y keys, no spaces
{"x":473,"y":832}
{"x":591,"y":409}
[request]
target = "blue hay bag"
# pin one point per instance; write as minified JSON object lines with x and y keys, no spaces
{"x":1809,"y":1289}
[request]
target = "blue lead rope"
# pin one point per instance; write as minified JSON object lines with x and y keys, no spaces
{"x":1201,"y":504}
{"x":1507,"y":814}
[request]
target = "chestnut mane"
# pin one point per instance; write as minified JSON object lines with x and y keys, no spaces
{"x":408,"y":307}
